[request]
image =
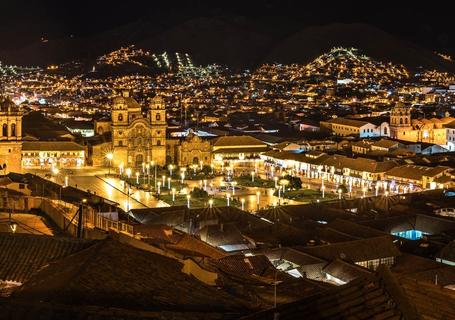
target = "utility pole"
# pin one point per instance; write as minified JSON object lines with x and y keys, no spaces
{"x":79,"y":222}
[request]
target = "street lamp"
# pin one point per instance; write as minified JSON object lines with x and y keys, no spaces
{"x":170,"y":169}
{"x":284,"y":183}
{"x":109,"y":157}
{"x":173,"y":194}
{"x":159,"y":187}
{"x":276,"y":181}
{"x":258,"y":196}
{"x":205,"y":185}
{"x":233,"y":187}
{"x":120,"y":169}
{"x":339,"y":193}
{"x":252,"y":176}
{"x":228,"y":197}
{"x":137,"y":177}
{"x":147,"y":167}
{"x":164,"y":179}
{"x":323,"y":191}
{"x":128,"y":174}
{"x":169,"y":183}
{"x":210,"y":203}
{"x":188,"y":197}
{"x":242,"y":201}
{"x":211,"y":167}
{"x":201,"y":164}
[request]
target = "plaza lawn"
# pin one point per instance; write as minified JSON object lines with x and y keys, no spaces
{"x":180,"y":200}
{"x":306,"y":195}
{"x":245,"y":181}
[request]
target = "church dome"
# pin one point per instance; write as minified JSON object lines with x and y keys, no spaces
{"x":7,"y":105}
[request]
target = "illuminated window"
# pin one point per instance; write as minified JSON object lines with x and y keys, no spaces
{"x":13,"y":130}
{"x":120,"y":117}
{"x":158,"y":117}
{"x":158,"y":143}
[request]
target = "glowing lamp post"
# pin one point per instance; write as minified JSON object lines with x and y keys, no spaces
{"x":276,"y":182}
{"x":120,"y":169}
{"x":137,"y":177}
{"x":159,"y":187}
{"x":173,"y":194}
{"x":211,"y":167}
{"x":182,"y":174}
{"x":339,"y":194}
{"x":66,"y":181}
{"x":284,"y":183}
{"x":188,"y":197}
{"x":228,"y":197}
{"x":169,"y":183}
{"x":201,"y":163}
{"x":323,"y":191}
{"x":163,"y":179}
{"x":128,"y":174}
{"x":242,"y":201}
{"x":210,"y":203}
{"x":252,"y":176}
{"x":205,"y":185}
{"x":233,"y":187}
{"x":170,"y":169}
{"x":258,"y":198}
{"x":110,"y":156}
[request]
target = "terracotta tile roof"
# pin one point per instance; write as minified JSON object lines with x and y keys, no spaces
{"x":416,"y":172}
{"x":22,"y":255}
{"x":432,"y":302}
{"x":345,"y":271}
{"x":369,"y":297}
{"x":113,"y":274}
{"x":354,"y":229}
{"x":348,"y":122}
{"x":230,"y":141}
{"x":355,"y":251}
{"x":252,"y":265}
{"x":51,"y":146}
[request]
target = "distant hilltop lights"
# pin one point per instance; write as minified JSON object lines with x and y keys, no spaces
{"x":139,"y":57}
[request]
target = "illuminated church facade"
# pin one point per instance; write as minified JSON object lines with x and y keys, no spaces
{"x":138,"y":137}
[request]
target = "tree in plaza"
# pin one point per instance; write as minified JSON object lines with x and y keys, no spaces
{"x":294,"y":182}
{"x":343,"y":188}
{"x":199,"y":193}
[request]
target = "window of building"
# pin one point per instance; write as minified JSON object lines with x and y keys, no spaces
{"x":5,"y":130}
{"x":13,"y":130}
{"x":120,"y":143}
{"x":158,"y":117}
{"x":120,"y":117}
{"x":158,"y":143}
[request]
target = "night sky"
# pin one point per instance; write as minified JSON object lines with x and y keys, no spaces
{"x":23,"y":22}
